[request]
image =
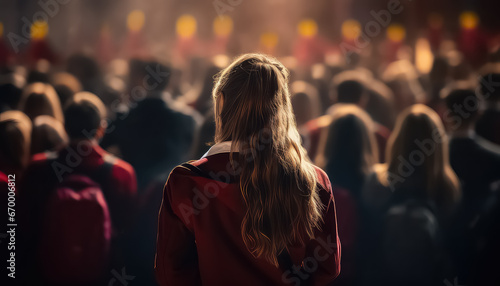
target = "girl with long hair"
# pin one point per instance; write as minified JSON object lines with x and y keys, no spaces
{"x":348,"y":148}
{"x":417,"y":163}
{"x":253,"y":210}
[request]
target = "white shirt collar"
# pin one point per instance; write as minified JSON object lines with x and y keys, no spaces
{"x":222,"y":147}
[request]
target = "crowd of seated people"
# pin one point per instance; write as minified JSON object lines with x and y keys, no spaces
{"x":414,"y":161}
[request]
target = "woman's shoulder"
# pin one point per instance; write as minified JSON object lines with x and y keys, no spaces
{"x":323,"y":179}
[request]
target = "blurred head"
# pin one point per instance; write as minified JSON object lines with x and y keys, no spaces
{"x":66,"y":85}
{"x":305,"y":102}
{"x":462,"y":104}
{"x":348,"y":149}
{"x":41,"y":99}
{"x":48,"y":135}
{"x":10,"y":90}
{"x":417,"y":156}
{"x":349,"y":87}
{"x":278,"y":184}
{"x":15,"y":131}
{"x":85,"y":116}
{"x":147,"y":77}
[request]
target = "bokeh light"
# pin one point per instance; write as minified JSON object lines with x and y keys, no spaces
{"x":307,"y":28}
{"x":396,"y":33}
{"x":469,"y":20}
{"x":269,"y":40}
{"x":39,"y":29}
{"x":223,"y":26}
{"x":351,"y":29}
{"x":135,"y":20}
{"x":186,"y":26}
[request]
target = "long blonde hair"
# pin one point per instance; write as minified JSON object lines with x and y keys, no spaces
{"x":278,"y":183}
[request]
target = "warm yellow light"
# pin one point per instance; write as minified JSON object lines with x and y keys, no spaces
{"x":307,"y":28}
{"x":396,"y":33}
{"x":186,"y":26}
{"x":1,"y":29}
{"x":269,"y":40}
{"x":351,"y":29}
{"x":469,"y":20}
{"x":435,"y":20}
{"x":423,"y":56}
{"x":39,"y":30}
{"x":223,"y":26}
{"x":135,"y":20}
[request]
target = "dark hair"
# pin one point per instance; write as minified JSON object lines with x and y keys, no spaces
{"x":486,"y":79}
{"x":83,"y":116}
{"x":464,"y":98}
{"x":348,"y":148}
{"x":350,"y":91}
{"x":156,"y":75}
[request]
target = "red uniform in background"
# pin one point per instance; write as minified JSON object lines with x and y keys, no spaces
{"x":199,"y":233}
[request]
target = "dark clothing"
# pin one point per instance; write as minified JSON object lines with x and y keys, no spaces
{"x":488,"y":125}
{"x":152,"y":137}
{"x":476,"y":166}
{"x":40,"y":180}
{"x":199,"y":234}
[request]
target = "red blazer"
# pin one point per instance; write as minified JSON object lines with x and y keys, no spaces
{"x":199,"y":234}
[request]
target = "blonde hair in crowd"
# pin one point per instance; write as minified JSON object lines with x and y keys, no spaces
{"x":277,"y":181}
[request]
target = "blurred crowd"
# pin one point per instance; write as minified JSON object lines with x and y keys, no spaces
{"x":414,"y":159}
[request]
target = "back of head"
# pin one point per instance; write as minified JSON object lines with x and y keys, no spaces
{"x":417,"y":155}
{"x":253,"y":110}
{"x":349,"y":87}
{"x":66,"y":85}
{"x":348,"y":147}
{"x":153,"y":76}
{"x":305,"y":102}
{"x":15,"y":131}
{"x":41,"y":99}
{"x":462,"y":101}
{"x":48,"y":135}
{"x":84,"y":116}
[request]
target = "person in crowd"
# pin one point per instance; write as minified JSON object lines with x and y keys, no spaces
{"x":48,"y":135}
{"x":15,"y":134}
{"x":85,"y":125}
{"x":488,"y":123}
{"x":15,"y":131}
{"x":417,"y":165}
{"x":475,"y":160}
{"x":11,"y":85}
{"x":409,"y":201}
{"x":348,"y":149}
{"x":348,"y":152}
{"x":477,"y":163}
{"x":41,"y":99}
{"x":305,"y":102}
{"x":155,"y":134}
{"x":66,"y":85}
{"x":349,"y":87}
{"x":268,"y":209}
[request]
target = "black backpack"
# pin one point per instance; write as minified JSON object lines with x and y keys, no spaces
{"x":411,"y":245}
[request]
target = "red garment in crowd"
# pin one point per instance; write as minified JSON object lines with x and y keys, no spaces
{"x":119,"y":191}
{"x":199,"y":233}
